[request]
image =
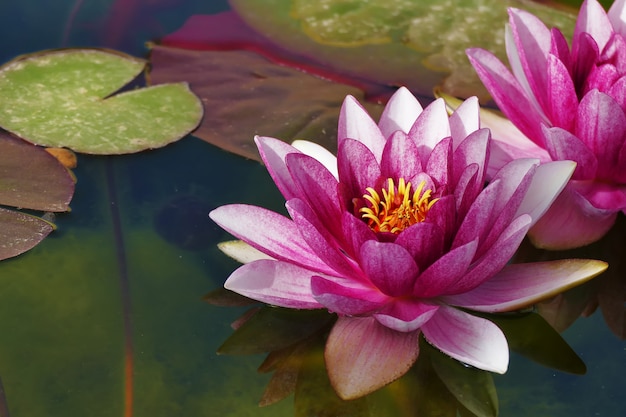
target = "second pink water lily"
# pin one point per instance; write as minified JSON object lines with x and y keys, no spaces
{"x":400,"y":238}
{"x":568,"y":103}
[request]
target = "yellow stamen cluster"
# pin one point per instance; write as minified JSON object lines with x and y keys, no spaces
{"x":398,"y":208}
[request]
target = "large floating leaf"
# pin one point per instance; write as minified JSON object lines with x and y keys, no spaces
{"x":244,"y":94}
{"x":29,"y":178}
{"x":417,"y":43}
{"x":63,"y":98}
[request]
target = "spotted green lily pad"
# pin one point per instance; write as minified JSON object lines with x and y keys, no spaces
{"x":65,"y":98}
{"x":30,"y":178}
{"x":417,"y":43}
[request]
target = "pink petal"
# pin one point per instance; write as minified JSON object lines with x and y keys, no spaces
{"x":362,"y":356}
{"x":347,"y":297}
{"x":507,"y":93}
{"x":473,"y":150}
{"x":444,"y":272}
{"x":400,"y":158}
{"x":273,"y":152}
{"x":355,"y":233}
{"x":571,"y":222}
{"x":390,"y":267}
{"x":563,"y":145}
{"x":274,"y":282}
{"x":358,"y":168}
{"x":439,"y":165}
{"x":400,"y":113}
{"x":520,"y":285}
{"x":423,"y":241}
{"x":610,"y":197}
{"x":269,"y":232}
{"x":356,"y":123}
{"x":469,"y":339}
{"x":561,"y":97}
{"x":405,"y":314}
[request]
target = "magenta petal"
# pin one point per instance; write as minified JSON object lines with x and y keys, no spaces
{"x":355,"y":232}
{"x":571,"y":222}
{"x":439,"y":165}
{"x":269,"y":232}
{"x":444,"y":272}
{"x":469,"y":339}
{"x":405,"y":315}
{"x":347,"y":297}
{"x":358,"y":168}
{"x":400,"y":113}
{"x":273,"y":282}
{"x":362,"y":356}
{"x":423,"y":241}
{"x":389,"y":266}
{"x":356,"y":123}
{"x":273,"y":152}
{"x":610,"y":197}
{"x":507,"y":93}
{"x":520,"y":285}
{"x":320,"y":240}
{"x":561,"y":97}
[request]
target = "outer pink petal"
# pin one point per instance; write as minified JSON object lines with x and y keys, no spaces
{"x":563,"y":145}
{"x":610,"y":197}
{"x":363,"y":356}
{"x":274,"y":282}
{"x":400,"y":112}
{"x":520,"y":285}
{"x":469,"y":339}
{"x":405,"y":314}
{"x":571,"y":222}
{"x":356,"y":123}
{"x":347,"y":297}
{"x":269,"y":232}
{"x":561,"y":94}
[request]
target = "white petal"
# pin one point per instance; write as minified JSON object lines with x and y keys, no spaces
{"x":318,"y":152}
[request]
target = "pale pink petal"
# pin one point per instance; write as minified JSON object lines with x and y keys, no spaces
{"x":273,"y":152}
{"x":430,"y":128}
{"x":356,"y":123}
{"x":362,"y":356}
{"x":389,"y":266}
{"x":405,"y":314}
{"x":548,"y":182}
{"x":400,"y":158}
{"x":617,"y":16}
{"x":400,"y":112}
{"x":571,"y":222}
{"x":347,"y":297}
{"x":274,"y":282}
{"x":469,"y":339}
{"x":439,"y":165}
{"x":593,"y":19}
{"x":465,"y":120}
{"x":521,"y":285}
{"x":318,"y":152}
{"x":561,"y":95}
{"x":269,"y":232}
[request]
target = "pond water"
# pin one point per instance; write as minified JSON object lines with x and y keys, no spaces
{"x":106,"y":317}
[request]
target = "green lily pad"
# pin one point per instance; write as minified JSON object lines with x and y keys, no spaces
{"x":30,"y":178}
{"x":416,"y":43}
{"x":63,"y":98}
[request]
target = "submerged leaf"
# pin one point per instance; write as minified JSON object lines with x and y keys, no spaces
{"x":62,"y":98}
{"x":245,"y":94}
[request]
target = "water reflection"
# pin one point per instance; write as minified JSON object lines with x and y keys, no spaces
{"x":436,"y":385}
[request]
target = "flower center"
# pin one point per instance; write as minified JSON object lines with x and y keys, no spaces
{"x":398,"y":208}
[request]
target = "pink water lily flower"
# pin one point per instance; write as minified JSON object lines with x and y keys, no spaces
{"x":568,"y":103}
{"x":395,"y":233}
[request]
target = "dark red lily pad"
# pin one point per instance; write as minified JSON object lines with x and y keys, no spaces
{"x":245,"y":94}
{"x":30,"y":178}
